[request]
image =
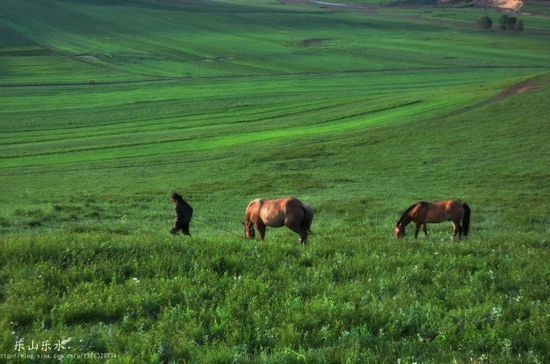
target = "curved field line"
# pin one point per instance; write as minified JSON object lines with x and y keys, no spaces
{"x":330,"y":126}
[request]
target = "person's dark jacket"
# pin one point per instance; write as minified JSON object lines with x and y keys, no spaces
{"x":183,"y":212}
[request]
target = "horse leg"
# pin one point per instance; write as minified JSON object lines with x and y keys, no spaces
{"x":303,"y":237}
{"x":455,"y":229}
{"x":425,"y":229}
{"x":261,"y":230}
{"x":458,"y":229}
{"x":298,"y":230}
{"x":418,"y":225}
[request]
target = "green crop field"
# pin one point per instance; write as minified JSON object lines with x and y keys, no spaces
{"x":107,"y":107}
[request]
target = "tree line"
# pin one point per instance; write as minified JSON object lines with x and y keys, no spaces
{"x":506,"y":22}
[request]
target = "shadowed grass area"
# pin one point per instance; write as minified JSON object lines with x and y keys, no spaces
{"x":224,"y":102}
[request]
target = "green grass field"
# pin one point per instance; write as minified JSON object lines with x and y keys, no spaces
{"x":109,"y":106}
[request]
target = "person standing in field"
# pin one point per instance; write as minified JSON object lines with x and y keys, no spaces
{"x":183,"y":213}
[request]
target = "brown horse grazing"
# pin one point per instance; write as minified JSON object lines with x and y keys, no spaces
{"x":434,"y":212}
{"x":289,"y":212}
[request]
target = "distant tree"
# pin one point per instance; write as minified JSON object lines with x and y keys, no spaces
{"x":519,"y":26}
{"x":485,"y":22}
{"x":503,"y":21}
{"x":511,"y":25}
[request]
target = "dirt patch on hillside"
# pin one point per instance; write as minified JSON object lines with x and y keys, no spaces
{"x":511,"y":5}
{"x":313,"y":42}
{"x":518,"y":89}
{"x":333,"y":5}
{"x":87,"y":58}
{"x":500,"y":4}
{"x":522,"y":87}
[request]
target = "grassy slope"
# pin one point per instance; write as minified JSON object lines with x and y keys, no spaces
{"x":387,"y":109}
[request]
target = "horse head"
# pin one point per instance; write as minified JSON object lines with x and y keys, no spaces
{"x":399,"y":230}
{"x":249,"y":231}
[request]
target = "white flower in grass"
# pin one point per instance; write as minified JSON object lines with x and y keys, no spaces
{"x":135,"y":279}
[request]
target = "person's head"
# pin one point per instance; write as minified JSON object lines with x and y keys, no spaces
{"x":176,"y":197}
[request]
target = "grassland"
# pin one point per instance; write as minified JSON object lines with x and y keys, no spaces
{"x":107,"y":107}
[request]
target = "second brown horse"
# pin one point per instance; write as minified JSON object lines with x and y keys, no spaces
{"x":433,"y":212}
{"x":289,"y":212}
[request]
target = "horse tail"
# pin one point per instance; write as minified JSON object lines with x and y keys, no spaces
{"x":466,"y":219}
{"x":308,"y":217}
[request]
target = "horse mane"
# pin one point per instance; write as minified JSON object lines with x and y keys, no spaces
{"x":404,"y":215}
